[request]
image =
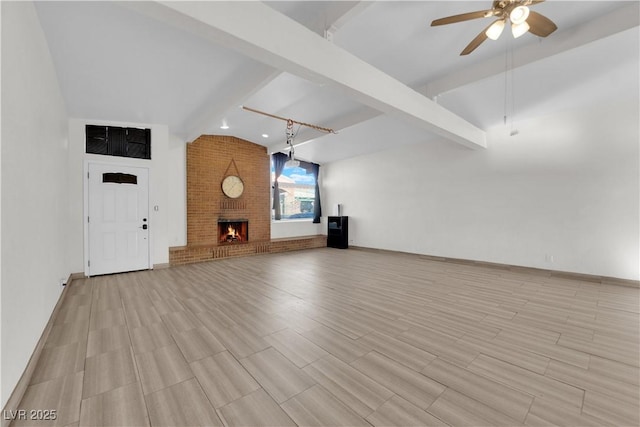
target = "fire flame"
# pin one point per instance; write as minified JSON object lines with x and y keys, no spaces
{"x":234,"y":232}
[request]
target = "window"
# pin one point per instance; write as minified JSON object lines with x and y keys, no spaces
{"x":297,"y":189}
{"x":116,"y":141}
{"x":119,"y":178}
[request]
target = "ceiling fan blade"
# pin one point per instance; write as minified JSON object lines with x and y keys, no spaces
{"x":531,"y":2}
{"x":463,"y":17}
{"x":477,"y":41}
{"x":540,"y":25}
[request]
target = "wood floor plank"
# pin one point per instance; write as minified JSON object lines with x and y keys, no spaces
{"x":106,"y":371}
{"x":106,"y":318}
{"x":67,"y":333}
{"x":341,"y":322}
{"x":180,"y":321}
{"x":107,"y":301}
{"x":143,"y":316}
{"x":592,"y":381}
{"x":73,"y":313}
{"x":196,"y":305}
{"x":198,"y":343}
{"x":458,"y":409}
{"x":568,"y":327}
{"x":317,"y":407}
{"x":356,"y":390}
{"x":263,"y":324}
{"x":531,"y":331}
{"x":500,"y":397}
{"x":542,"y":387}
{"x":416,"y":388}
{"x":545,"y":412}
{"x":59,"y":361}
{"x":122,"y":406}
{"x":606,"y":407}
{"x":162,"y":368}
{"x":223,"y":378}
{"x":544,"y":348}
{"x":295,"y":347}
{"x":168,"y":305}
{"x":398,"y":412}
{"x":79,"y":299}
{"x":240,"y":341}
{"x":439,"y":344}
{"x":614,"y":370}
{"x":298,"y":321}
{"x":379,"y":321}
{"x":182,"y":404}
{"x":256,"y":409}
{"x":214,"y":319}
{"x":62,"y":394}
{"x":149,"y":338}
{"x":509,"y":353}
{"x":107,"y":339}
{"x":340,"y":346}
{"x":457,"y":329}
{"x":276,"y":374}
{"x":624,"y":354}
{"x":397,"y":350}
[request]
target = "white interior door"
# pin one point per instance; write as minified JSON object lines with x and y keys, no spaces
{"x":118,"y":219}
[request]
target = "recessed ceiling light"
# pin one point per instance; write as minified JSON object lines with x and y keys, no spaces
{"x":264,"y":135}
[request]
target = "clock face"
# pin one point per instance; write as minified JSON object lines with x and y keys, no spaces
{"x":232,"y":186}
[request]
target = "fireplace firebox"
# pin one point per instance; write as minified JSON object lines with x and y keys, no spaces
{"x":233,"y":230}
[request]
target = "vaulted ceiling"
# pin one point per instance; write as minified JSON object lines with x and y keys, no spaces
{"x":375,"y":71}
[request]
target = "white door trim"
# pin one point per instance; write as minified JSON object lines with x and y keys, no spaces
{"x":85,"y":212}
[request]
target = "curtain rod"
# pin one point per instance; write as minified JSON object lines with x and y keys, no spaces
{"x":320,"y":128}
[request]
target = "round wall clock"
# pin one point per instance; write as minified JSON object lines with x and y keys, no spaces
{"x":232,"y":186}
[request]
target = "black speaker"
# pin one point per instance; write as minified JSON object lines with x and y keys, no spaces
{"x":338,"y":232}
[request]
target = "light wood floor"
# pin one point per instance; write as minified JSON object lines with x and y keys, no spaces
{"x":335,"y":337}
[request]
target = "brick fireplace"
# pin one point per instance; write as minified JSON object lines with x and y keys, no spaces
{"x":208,"y":159}
{"x":211,"y":158}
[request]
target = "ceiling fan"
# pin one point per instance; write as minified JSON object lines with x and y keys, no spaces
{"x":516,"y":11}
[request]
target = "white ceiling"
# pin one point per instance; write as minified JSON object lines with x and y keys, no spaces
{"x":121,"y":62}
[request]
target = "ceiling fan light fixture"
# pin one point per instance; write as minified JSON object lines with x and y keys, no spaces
{"x":519,"y":29}
{"x":519,"y":15}
{"x":494,"y":31}
{"x":515,"y":12}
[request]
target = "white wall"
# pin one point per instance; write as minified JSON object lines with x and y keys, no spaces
{"x":295,"y":228}
{"x":34,"y":189}
{"x":566,"y":187}
{"x":177,"y":176}
{"x":3,"y":399}
{"x":159,"y":178}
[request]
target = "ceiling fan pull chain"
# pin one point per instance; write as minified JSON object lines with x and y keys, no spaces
{"x":506,"y":79}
